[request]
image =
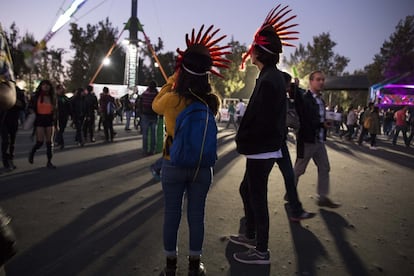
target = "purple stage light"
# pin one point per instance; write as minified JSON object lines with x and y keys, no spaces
{"x":399,"y":86}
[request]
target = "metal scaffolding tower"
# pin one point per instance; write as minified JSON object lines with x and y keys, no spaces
{"x":131,"y":58}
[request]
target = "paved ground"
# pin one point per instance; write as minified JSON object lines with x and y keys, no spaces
{"x":100,"y":213}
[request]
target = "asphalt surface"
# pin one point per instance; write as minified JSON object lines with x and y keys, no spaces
{"x":100,"y":212}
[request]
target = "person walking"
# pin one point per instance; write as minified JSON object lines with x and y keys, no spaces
{"x":231,"y":111}
{"x":188,"y":84}
{"x":388,"y":120}
{"x":286,"y":168}
{"x":374,"y":127}
{"x":411,"y":127}
{"x":312,"y":136}
{"x":351,"y":120}
{"x":260,"y":139}
{"x":64,"y":111}
{"x":43,"y":103}
{"x":108,"y":110}
{"x":77,"y":103}
{"x":91,"y":106}
{"x":128,"y":109}
{"x":401,"y":125}
{"x":364,"y":130}
{"x":148,"y":119}
{"x":240,"y":110}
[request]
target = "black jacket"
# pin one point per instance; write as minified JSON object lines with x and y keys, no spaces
{"x":263,"y":126}
{"x":64,"y":107}
{"x":310,"y":119}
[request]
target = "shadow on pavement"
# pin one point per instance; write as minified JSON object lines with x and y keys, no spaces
{"x":239,"y":269}
{"x":337,"y":225}
{"x":307,"y":246}
{"x":16,"y":184}
{"x":398,"y":154}
{"x":87,"y":238}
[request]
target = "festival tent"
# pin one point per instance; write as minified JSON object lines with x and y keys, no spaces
{"x":395,"y":91}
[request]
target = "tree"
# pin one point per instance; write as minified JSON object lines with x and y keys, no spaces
{"x":44,"y":64}
{"x":91,"y":46}
{"x":319,"y":55}
{"x":149,"y":70}
{"x":396,"y":55}
{"x":233,"y":80}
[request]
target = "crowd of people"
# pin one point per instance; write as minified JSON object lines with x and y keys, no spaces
{"x":261,"y":136}
{"x":364,"y":124}
{"x":48,"y":111}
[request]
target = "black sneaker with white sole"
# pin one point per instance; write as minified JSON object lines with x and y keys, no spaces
{"x":243,"y":240}
{"x":252,"y":256}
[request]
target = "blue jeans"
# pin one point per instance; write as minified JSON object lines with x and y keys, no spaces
{"x":128,"y":114}
{"x":148,"y":122}
{"x":177,"y":182}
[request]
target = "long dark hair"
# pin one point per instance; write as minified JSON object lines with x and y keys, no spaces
{"x":193,"y":80}
{"x":51,"y":93}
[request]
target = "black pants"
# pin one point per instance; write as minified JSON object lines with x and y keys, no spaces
{"x":78,"y":125}
{"x":8,"y":140}
{"x":63,"y":121}
{"x":285,"y":167}
{"x":364,"y":132}
{"x":253,"y":191}
{"x":89,"y":127}
{"x":108,"y":127}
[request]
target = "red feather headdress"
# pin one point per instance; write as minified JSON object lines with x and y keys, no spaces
{"x":276,"y":20}
{"x":208,"y":42}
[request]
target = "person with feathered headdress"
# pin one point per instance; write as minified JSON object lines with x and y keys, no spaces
{"x":189,"y":83}
{"x":262,"y":133}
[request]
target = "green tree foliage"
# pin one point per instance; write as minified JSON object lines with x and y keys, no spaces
{"x":233,"y":80}
{"x":46,"y":64}
{"x":396,"y":55}
{"x":250,"y":77}
{"x":148,"y":69}
{"x":317,"y":56}
{"x":90,"y":46}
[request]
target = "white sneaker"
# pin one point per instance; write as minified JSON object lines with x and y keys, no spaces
{"x":372,"y":147}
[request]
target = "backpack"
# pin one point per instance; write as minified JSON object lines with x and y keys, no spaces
{"x":110,"y":108}
{"x":195,"y":139}
{"x":367,"y":121}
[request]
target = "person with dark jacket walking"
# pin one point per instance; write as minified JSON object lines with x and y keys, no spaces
{"x":374,"y":127}
{"x":78,"y":114}
{"x":64,"y":111}
{"x":312,"y":136}
{"x":148,"y":118}
{"x":91,"y":106}
{"x":107,"y":109}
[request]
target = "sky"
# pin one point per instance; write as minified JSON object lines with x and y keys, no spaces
{"x":359,"y":27}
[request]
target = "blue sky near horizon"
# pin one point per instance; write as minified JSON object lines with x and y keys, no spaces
{"x":359,"y":27}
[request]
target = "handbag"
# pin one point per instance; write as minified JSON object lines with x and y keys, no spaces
{"x":29,"y":122}
{"x":367,"y":122}
{"x":7,"y":238}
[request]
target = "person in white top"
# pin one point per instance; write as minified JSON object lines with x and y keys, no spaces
{"x":240,"y":109}
{"x":351,"y":120}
